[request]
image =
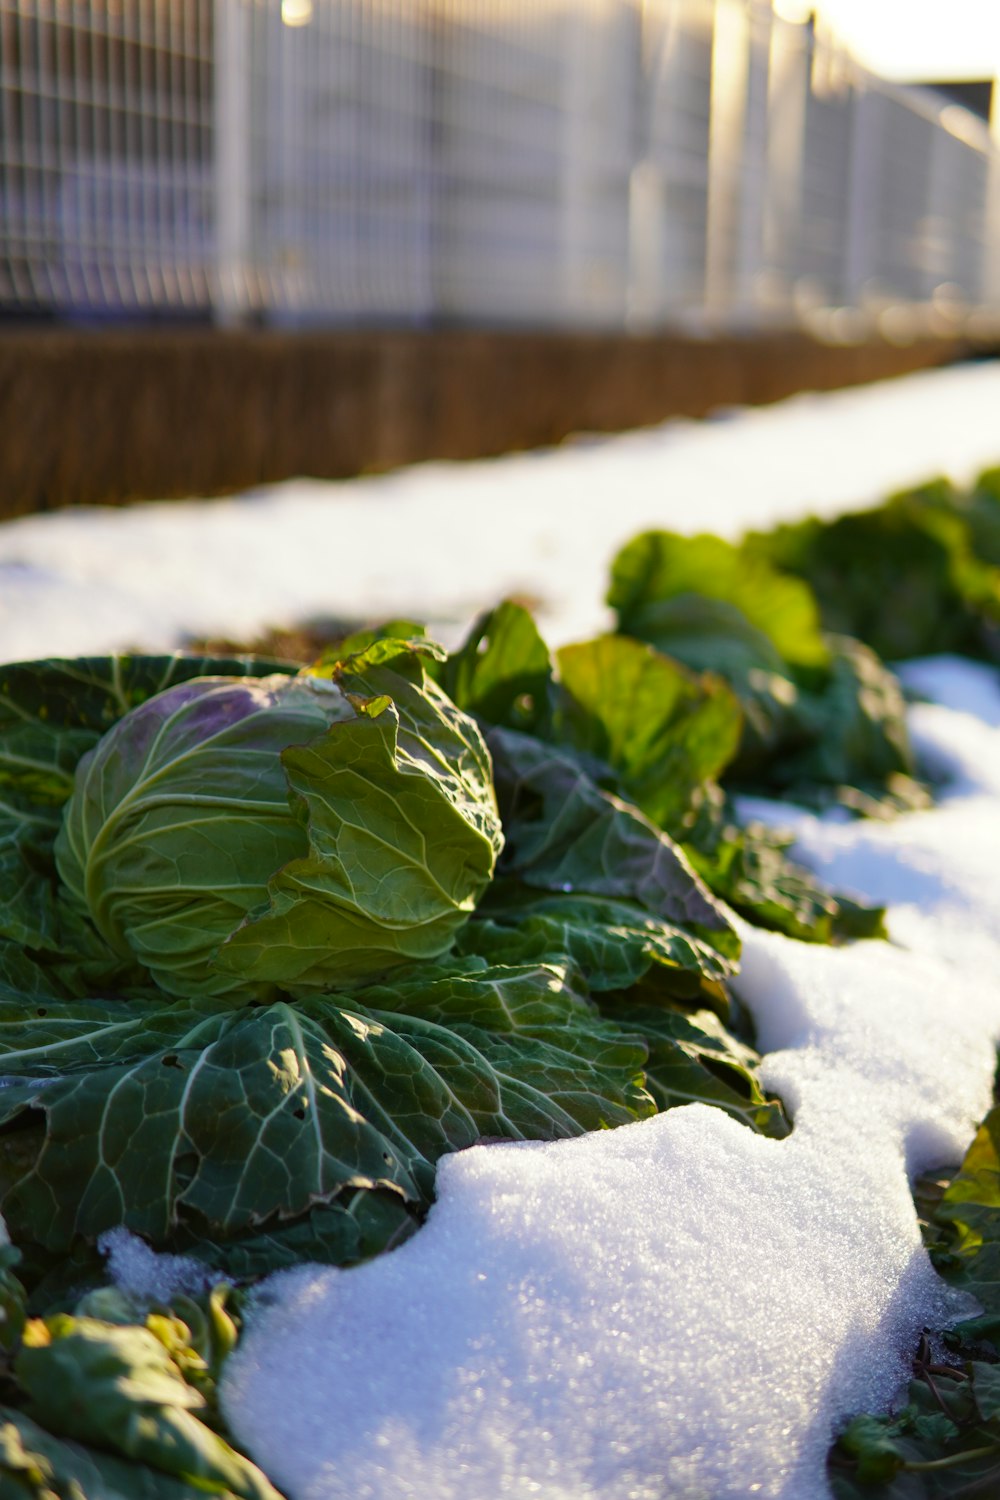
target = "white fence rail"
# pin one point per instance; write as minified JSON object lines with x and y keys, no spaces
{"x":610,"y":164}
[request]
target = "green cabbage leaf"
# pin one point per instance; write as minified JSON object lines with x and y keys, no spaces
{"x":215,"y":1122}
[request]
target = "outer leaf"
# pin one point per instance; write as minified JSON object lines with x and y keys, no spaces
{"x":236,"y":1118}
{"x":13,"y":1302}
{"x":662,"y":729}
{"x":748,"y":868}
{"x":693,"y":1059}
{"x":823,"y":716}
{"x":51,"y":1039}
{"x":502,"y":673}
{"x":221,"y":1125}
{"x":357,"y":1225}
{"x":556,"y":1067}
{"x":937,"y":1447}
{"x":981,"y":510}
{"x":23,"y":977}
{"x":612,"y":943}
{"x":970,"y":1210}
{"x":859,"y":753}
{"x":660,"y":566}
{"x":118,"y":1387}
{"x":921,"y":589}
{"x":34,"y":1465}
{"x":719,"y":621}
{"x":873,"y":1443}
{"x":564,"y":834}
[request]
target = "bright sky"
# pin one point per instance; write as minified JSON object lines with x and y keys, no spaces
{"x":913,"y":39}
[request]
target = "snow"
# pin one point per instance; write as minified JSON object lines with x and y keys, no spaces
{"x":142,"y":1273}
{"x":440,"y":541}
{"x":677,"y":1307}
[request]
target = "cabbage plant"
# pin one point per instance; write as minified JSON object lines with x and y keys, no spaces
{"x":236,"y":835}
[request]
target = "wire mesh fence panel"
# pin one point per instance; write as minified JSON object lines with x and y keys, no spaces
{"x":612,"y":164}
{"x":535,"y":120}
{"x":826,"y":168}
{"x":340,"y":172}
{"x":106,"y":174}
{"x":955,"y":225}
{"x":669,"y":185}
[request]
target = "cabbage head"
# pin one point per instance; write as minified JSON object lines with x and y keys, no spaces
{"x":238,"y":836}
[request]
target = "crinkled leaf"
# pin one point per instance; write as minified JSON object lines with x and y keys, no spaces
{"x":565,"y":834}
{"x":228,"y":1123}
{"x":368,"y":650}
{"x":693,"y":1059}
{"x":402,"y":828}
{"x":118,"y":1387}
{"x":235,"y":1118}
{"x":612,"y":942}
{"x":750,"y":870}
{"x":555,"y":1067}
{"x":358,"y":1224}
{"x":410,"y":632}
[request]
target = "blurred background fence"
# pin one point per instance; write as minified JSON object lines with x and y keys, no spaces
{"x":610,"y":165}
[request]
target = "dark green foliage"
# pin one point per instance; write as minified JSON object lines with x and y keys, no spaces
{"x":622,"y":719}
{"x":823,"y":718}
{"x":748,"y":867}
{"x":946,"y":1441}
{"x":120,"y":1402}
{"x":942,"y":1445}
{"x":967,"y":1249}
{"x":225,"y":1121}
{"x":913,"y":577}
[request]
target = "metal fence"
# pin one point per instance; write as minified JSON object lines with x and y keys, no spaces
{"x":614,"y":164}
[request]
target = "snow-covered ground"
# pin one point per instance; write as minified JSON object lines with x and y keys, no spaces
{"x":439,"y":541}
{"x":678,"y":1307}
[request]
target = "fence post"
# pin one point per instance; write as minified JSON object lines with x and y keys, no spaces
{"x":988,"y":290}
{"x":725,"y":141}
{"x":788,"y":94}
{"x":232,"y":163}
{"x":861,"y":249}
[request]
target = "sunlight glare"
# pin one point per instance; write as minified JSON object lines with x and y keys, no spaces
{"x":296,"y":12}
